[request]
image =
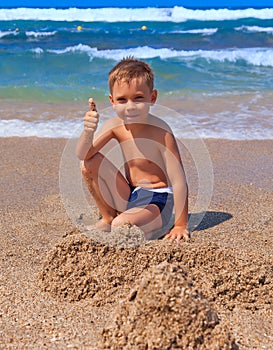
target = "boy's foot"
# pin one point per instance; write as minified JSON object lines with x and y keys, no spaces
{"x":101,"y":225}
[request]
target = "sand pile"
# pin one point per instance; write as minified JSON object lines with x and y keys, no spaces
{"x":165,"y":311}
{"x":229,"y":279}
{"x":79,"y":268}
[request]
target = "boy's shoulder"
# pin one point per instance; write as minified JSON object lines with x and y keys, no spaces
{"x":157,"y":122}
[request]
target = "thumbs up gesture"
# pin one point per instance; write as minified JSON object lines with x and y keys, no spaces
{"x":91,"y":118}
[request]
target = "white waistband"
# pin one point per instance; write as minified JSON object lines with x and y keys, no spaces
{"x":158,"y":190}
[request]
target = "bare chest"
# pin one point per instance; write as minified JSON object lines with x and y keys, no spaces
{"x":140,"y":149}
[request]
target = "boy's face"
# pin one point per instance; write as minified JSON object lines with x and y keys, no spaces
{"x":132,"y":101}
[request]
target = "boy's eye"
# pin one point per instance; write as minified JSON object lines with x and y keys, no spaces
{"x":139,"y":98}
{"x":121,"y":100}
{"x":124,"y":100}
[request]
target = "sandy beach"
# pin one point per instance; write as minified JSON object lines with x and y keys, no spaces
{"x":59,"y":289}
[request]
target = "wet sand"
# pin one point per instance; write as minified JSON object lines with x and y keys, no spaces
{"x":62,"y":289}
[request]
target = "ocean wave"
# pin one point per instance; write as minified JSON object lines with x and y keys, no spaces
{"x":44,"y":128}
{"x":204,"y":31}
{"x":143,"y":52}
{"x":62,"y":128}
{"x":77,"y":48}
{"x":27,"y":33}
{"x":254,"y":56}
{"x":40,"y":34}
{"x":220,"y":14}
{"x":8,"y":33}
{"x":37,"y":50}
{"x":173,"y":14}
{"x":255,"y":29}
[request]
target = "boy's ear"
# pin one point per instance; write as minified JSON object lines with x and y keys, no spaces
{"x":154,"y":96}
{"x":111,"y":99}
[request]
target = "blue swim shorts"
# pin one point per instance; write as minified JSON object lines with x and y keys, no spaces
{"x":164,"y":200}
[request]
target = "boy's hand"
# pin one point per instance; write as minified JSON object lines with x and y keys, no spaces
{"x":91,"y":118}
{"x":177,"y":233}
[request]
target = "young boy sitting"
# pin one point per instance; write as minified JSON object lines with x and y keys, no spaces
{"x":154,"y":180}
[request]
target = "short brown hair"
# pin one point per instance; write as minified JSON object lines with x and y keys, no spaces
{"x":128,"y":69}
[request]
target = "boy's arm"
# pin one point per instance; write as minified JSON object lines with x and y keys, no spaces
{"x":90,"y":122}
{"x":180,"y":229}
{"x":87,"y":146}
{"x":176,"y":174}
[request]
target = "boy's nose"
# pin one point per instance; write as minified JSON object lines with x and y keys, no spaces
{"x":130,"y":105}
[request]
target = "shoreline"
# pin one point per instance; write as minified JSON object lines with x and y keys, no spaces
{"x":235,"y":117}
{"x":35,"y":225}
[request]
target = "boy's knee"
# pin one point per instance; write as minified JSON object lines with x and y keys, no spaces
{"x":85,"y":168}
{"x":118,"y":221}
{"x":91,"y":165}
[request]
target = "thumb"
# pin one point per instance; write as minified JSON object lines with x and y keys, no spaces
{"x":92,"y":105}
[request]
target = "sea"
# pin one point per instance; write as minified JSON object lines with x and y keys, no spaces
{"x":213,"y":67}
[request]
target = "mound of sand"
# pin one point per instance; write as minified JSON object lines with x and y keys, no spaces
{"x":164,"y":311}
{"x":79,"y":268}
{"x":229,"y":279}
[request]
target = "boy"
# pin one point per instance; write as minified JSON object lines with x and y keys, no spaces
{"x":154,"y":178}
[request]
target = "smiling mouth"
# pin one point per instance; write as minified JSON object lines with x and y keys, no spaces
{"x":132,"y":116}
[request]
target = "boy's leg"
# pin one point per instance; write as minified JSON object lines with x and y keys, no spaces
{"x":107,"y":186}
{"x":148,"y":218}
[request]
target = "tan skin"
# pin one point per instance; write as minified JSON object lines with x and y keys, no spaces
{"x":151,"y":160}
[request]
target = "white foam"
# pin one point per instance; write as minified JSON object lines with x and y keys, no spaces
{"x":255,"y":29}
{"x":243,"y":126}
{"x":220,"y":14}
{"x":173,"y":14}
{"x":117,"y":54}
{"x":8,"y":32}
{"x":77,"y":48}
{"x":43,"y":128}
{"x":39,"y":34}
{"x":254,"y":56}
{"x":37,"y":50}
{"x":204,"y":31}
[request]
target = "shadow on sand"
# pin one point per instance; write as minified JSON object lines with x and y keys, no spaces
{"x":210,"y":219}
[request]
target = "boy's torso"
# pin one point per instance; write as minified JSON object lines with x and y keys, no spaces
{"x":142,"y":147}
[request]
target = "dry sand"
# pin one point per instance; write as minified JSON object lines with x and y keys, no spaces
{"x":61,"y":289}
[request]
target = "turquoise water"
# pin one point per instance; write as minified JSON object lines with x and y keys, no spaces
{"x":63,"y":56}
